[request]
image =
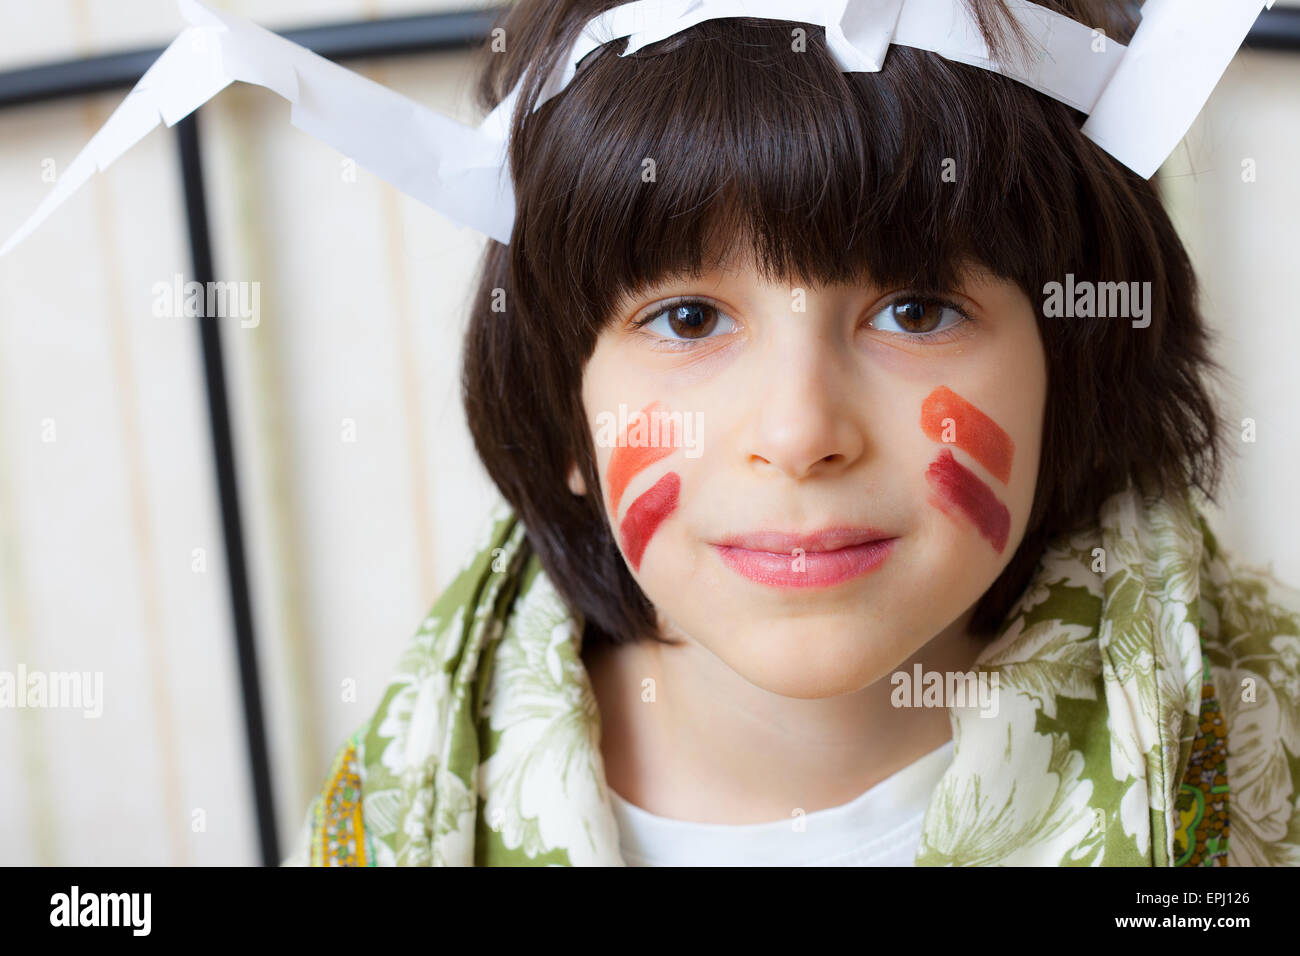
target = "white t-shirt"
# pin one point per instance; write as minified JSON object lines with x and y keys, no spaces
{"x":881,"y":827}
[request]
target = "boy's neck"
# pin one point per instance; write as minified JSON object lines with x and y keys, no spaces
{"x":713,"y":748}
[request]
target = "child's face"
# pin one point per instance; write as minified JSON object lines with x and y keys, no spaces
{"x":803,"y":410}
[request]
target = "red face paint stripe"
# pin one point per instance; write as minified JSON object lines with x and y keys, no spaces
{"x":975,"y":433}
{"x":646,"y":514}
{"x":960,"y":488}
{"x":628,"y":461}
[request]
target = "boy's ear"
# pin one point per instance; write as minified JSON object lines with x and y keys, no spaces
{"x":576,"y":484}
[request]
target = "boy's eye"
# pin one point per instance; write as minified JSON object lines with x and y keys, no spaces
{"x":687,"y":320}
{"x":917,"y":316}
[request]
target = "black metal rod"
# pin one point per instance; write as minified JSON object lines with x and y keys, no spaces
{"x":223,"y":455}
{"x":1276,"y":29}
{"x":341,"y":41}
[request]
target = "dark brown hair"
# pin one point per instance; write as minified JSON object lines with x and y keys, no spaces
{"x":830,"y":176}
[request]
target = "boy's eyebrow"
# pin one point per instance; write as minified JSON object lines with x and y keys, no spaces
{"x":627,"y":296}
{"x":972,"y":270}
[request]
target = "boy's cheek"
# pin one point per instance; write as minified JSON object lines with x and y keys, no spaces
{"x":642,"y":450}
{"x":981,"y":462}
{"x":646,"y":515}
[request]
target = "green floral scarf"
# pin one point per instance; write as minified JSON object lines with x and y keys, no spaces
{"x":1142,"y":673}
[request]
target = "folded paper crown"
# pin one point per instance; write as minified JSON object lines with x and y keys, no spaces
{"x":1140,"y":99}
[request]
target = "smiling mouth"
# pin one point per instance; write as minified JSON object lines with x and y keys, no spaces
{"x":812,"y":561}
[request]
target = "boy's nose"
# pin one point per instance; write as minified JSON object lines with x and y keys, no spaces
{"x":801,"y":419}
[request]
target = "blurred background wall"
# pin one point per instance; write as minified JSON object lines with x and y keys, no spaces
{"x":358,"y":482}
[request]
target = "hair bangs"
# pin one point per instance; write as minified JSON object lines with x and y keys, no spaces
{"x":730,"y":139}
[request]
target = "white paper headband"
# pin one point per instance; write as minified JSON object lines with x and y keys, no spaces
{"x":1140,"y":99}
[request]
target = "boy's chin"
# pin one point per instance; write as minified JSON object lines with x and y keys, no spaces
{"x":810,"y":660}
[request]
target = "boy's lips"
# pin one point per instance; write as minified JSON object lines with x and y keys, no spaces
{"x":805,"y":560}
{"x":785,"y":542}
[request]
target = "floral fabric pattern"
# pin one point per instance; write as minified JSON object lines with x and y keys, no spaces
{"x":1148,"y":715}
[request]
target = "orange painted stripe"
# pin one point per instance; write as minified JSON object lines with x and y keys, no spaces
{"x":975,"y":433}
{"x":628,"y":461}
